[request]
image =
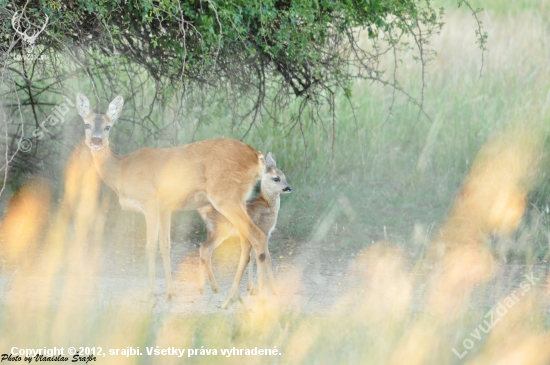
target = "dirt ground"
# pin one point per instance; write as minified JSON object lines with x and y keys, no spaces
{"x":311,"y":278}
{"x":308,"y":280}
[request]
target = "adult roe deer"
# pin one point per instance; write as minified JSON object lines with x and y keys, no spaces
{"x":219,"y":172}
{"x":263,"y":211}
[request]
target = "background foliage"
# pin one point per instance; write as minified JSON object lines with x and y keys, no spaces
{"x":170,"y":58}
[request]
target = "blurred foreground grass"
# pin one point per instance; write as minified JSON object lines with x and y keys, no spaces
{"x":451,"y":223}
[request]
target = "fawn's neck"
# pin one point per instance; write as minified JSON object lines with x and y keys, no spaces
{"x":108,"y":166}
{"x":272,"y":200}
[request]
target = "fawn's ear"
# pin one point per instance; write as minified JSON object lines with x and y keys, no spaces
{"x":270,"y":161}
{"x":83,"y":105}
{"x":115,"y":108}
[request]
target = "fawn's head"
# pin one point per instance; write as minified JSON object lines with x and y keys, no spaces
{"x":274,"y":181}
{"x":98,"y":125}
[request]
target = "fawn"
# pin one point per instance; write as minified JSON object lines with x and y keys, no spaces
{"x":263,"y":211}
{"x":219,"y":172}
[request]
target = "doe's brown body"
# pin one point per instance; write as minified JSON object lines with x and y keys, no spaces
{"x":219,"y":172}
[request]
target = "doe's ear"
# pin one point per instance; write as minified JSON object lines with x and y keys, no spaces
{"x":270,"y":161}
{"x":83,"y":105}
{"x":115,"y":108}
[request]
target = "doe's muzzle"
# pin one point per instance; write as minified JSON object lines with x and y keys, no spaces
{"x":96,"y":142}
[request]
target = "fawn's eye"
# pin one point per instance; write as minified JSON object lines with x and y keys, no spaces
{"x":276,"y":179}
{"x":107,"y":128}
{"x":87,"y":126}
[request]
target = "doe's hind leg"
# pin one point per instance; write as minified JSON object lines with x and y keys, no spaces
{"x":269,"y":267}
{"x":251,"y":237}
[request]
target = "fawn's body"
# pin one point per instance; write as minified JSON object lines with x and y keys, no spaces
{"x":220,"y":172}
{"x":263,"y":211}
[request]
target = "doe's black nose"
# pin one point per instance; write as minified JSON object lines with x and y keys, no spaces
{"x":97,"y":141}
{"x":288,"y":188}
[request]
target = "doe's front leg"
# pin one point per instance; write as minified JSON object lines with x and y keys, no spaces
{"x":152,"y":221}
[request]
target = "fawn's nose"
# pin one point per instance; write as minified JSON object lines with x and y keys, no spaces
{"x":287,"y":189}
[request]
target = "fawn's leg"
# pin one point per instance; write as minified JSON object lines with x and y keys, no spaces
{"x":206,"y":250}
{"x":269,"y":266}
{"x":250,"y":285}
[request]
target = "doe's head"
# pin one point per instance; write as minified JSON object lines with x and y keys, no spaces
{"x":98,"y":125}
{"x":274,"y":180}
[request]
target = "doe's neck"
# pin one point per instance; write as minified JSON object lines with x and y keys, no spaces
{"x":108,"y":166}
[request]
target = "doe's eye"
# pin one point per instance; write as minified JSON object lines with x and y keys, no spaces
{"x":276,"y":179}
{"x":107,"y":128}
{"x":87,"y":126}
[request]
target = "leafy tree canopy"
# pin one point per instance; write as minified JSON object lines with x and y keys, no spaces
{"x":260,"y":55}
{"x":308,"y":46}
